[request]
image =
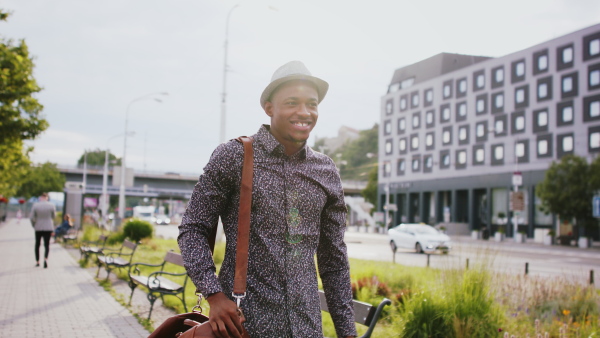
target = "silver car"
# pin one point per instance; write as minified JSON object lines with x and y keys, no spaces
{"x":422,"y":238}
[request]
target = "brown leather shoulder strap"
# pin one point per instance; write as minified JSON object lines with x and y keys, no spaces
{"x":243,"y":237}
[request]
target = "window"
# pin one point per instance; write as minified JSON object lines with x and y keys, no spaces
{"x":389,"y":107}
{"x":461,"y":111}
{"x":594,"y":76}
{"x":447,"y":135}
{"x":481,"y":104}
{"x":401,"y":167}
{"x":402,"y":146}
{"x":594,"y":139}
{"x":444,"y":159}
{"x":427,"y":163}
{"x":518,"y":71}
{"x":481,"y":131}
{"x":414,"y":99}
{"x":447,"y":89}
{"x":407,"y":83}
{"x":500,"y":123}
{"x":497,"y":102}
{"x":569,"y":85}
{"x":463,"y":134}
{"x":522,"y":96}
{"x":414,"y":142}
{"x":544,"y":89}
{"x":387,"y":169}
{"x":540,"y":62}
{"x":517,"y":122}
{"x":416,"y":120}
{"x":591,"y":108}
{"x":564,"y":144}
{"x":416,"y":163}
{"x":479,"y":80}
{"x":430,"y":118}
{"x":498,"y":77}
{"x":388,"y":147}
{"x":478,"y":154}
{"x":564,"y":57}
{"x":544,"y":146}
{"x":540,"y":120}
{"x":564,"y":113}
{"x":401,"y":125}
{"x":387,"y":127}
{"x":522,"y":151}
{"x":461,"y":159}
{"x":429,"y":141}
{"x":445,"y":113}
{"x":403,"y":102}
{"x":428,"y":97}
{"x":497,"y":154}
{"x":591,"y":46}
{"x":461,"y":87}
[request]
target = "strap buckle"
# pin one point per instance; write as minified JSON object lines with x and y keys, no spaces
{"x":238,"y":298}
{"x":197,"y":306}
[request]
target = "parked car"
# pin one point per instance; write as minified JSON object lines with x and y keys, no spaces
{"x":162,"y":220}
{"x":422,"y":238}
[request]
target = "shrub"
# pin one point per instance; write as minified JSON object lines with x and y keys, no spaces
{"x":136,"y":229}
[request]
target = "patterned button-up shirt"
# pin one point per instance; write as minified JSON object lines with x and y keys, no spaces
{"x":297,"y":210}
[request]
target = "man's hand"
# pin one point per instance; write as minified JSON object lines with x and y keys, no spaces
{"x":224,"y":318}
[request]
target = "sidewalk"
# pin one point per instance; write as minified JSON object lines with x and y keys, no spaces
{"x":61,"y":301}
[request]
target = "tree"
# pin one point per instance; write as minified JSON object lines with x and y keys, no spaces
{"x":370,"y":191}
{"x":96,"y":158}
{"x":41,"y":178}
{"x":358,"y":164}
{"x":568,"y":188}
{"x":20,"y":111}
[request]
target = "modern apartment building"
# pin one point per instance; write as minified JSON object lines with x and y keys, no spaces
{"x":456,"y":128}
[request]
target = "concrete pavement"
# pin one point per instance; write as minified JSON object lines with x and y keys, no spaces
{"x":63,"y":300}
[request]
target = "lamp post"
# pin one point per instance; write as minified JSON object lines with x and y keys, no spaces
{"x":104,"y":202}
{"x":123,"y":163}
{"x":224,"y":94}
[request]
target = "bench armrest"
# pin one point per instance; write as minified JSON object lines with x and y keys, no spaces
{"x":159,"y":273}
{"x":135,"y":266}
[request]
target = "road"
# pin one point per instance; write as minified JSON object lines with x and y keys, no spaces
{"x":508,"y":256}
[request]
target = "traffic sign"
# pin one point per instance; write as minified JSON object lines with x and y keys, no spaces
{"x":517,"y":179}
{"x":517,"y":201}
{"x":596,"y":206}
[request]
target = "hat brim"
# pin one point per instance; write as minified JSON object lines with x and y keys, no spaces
{"x":322,"y":86}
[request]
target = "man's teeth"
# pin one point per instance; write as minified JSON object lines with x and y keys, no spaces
{"x":301,"y":124}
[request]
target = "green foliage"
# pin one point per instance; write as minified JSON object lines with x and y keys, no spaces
{"x":370,"y":191}
{"x":41,"y":178}
{"x":20,"y":111}
{"x":136,"y":229}
{"x":115,"y":238}
{"x":358,"y":165}
{"x":97,"y":157}
{"x":568,"y":188}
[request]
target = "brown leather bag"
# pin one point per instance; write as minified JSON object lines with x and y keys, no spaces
{"x":178,"y":326}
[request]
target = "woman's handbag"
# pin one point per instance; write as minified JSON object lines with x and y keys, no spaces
{"x":179,"y":325}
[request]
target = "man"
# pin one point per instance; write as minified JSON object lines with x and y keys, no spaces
{"x":42,"y":219}
{"x":298,"y":211}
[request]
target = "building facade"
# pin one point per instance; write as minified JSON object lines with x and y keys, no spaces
{"x":456,"y":128}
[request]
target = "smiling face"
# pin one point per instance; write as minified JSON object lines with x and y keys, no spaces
{"x":293,"y":109}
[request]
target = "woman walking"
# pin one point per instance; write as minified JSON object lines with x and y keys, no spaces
{"x":42,"y":220}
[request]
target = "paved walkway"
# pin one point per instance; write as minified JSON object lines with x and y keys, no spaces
{"x":61,"y":301}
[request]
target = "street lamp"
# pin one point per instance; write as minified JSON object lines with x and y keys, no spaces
{"x":104,"y":202}
{"x":122,"y":186}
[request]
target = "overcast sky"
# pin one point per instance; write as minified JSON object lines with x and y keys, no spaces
{"x":93,"y":58}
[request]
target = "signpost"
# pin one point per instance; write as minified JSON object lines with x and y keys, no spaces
{"x":596,"y":206}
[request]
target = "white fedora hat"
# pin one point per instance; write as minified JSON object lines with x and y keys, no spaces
{"x":293,"y":70}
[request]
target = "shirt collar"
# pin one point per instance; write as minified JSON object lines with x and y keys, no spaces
{"x":272,"y":146}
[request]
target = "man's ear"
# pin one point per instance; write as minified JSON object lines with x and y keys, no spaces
{"x":269,"y":108}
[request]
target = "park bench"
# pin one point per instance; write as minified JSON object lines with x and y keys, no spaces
{"x":93,"y":247}
{"x":156,"y":282}
{"x":118,"y":259}
{"x":71,"y":236}
{"x":364,"y":313}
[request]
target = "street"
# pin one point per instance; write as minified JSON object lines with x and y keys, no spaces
{"x":507,"y":256}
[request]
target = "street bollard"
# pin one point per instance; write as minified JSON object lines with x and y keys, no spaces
{"x":428,"y":259}
{"x":526,"y":268}
{"x":591,"y":277}
{"x":394,"y":249}
{"x":467,"y":264}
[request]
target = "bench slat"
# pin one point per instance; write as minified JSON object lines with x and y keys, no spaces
{"x":174,"y":258}
{"x":157,"y":283}
{"x":363,"y":312}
